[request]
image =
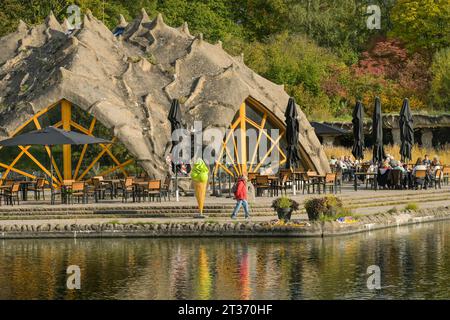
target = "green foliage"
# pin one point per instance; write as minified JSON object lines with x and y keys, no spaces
{"x":321,"y":51}
{"x":440,"y":85}
{"x":423,"y":24}
{"x":285,"y":203}
{"x":412,"y":206}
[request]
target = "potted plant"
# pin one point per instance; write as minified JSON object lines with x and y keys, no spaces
{"x":328,"y":206}
{"x":284,"y":207}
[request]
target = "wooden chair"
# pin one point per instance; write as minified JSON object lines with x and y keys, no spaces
{"x":446,"y":174}
{"x":251,"y":176}
{"x":309,"y":182}
{"x":436,"y":179}
{"x":165,"y":188}
{"x":38,"y":188}
{"x":262,"y":184}
{"x":99,"y":188}
{"x":127,"y":188}
{"x":152,"y":190}
{"x":330,"y":182}
{"x":420,"y":178}
{"x":282,"y":184}
{"x":11,"y":194}
{"x":78,"y":191}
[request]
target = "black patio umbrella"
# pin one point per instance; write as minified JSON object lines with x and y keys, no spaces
{"x":292,"y":131}
{"x":358,"y":131}
{"x":406,"y":131}
{"x":175,"y":118}
{"x":50,"y":137}
{"x":377,"y":133}
{"x":175,"y":124}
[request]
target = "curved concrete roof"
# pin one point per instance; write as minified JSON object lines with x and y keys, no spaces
{"x":127,"y":82}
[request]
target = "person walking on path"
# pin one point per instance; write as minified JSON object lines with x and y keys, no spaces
{"x":240,"y":194}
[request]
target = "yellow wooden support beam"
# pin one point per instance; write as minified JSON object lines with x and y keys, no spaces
{"x":95,"y":160}
{"x":116,"y":167}
{"x":83,"y":152}
{"x":268,"y":152}
{"x":37,"y":115}
{"x":49,"y":152}
{"x":109,"y":152}
{"x":66,"y":115}
{"x":36,"y":161}
{"x":243,"y":139}
{"x":225,"y":168}
{"x":263,"y":123}
{"x":23,"y":173}
{"x":11,"y":166}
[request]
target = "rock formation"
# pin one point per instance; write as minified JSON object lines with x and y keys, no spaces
{"x":128,"y":81}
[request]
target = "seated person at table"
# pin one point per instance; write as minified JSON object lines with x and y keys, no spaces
{"x":383,"y":177}
{"x":435,"y":163}
{"x":342,"y":166}
{"x":426,"y":161}
{"x":434,"y":166}
{"x":397,"y":165}
{"x":333,"y":161}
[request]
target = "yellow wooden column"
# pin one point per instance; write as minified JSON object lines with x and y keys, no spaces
{"x":66,"y":115}
{"x":243,"y":150}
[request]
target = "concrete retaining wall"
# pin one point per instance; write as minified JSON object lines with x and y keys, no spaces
{"x":221,"y":229}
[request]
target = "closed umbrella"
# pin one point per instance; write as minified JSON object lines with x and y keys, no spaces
{"x":406,"y":131}
{"x":292,"y":131}
{"x":51,"y":136}
{"x":175,"y":124}
{"x":377,"y":133}
{"x":358,"y":131}
{"x":175,"y":118}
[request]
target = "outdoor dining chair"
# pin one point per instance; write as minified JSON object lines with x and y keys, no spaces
{"x":436,"y":179}
{"x":38,"y":188}
{"x":446,"y":174}
{"x":420,"y":178}
{"x":127,"y":189}
{"x":165,"y":188}
{"x":11,"y":194}
{"x":262,"y":184}
{"x":330,"y":182}
{"x":152,"y":190}
{"x":309,"y":181}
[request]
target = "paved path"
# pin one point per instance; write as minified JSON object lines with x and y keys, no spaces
{"x":360,"y":200}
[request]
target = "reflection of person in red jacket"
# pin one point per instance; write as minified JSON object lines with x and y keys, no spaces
{"x":241,"y":197}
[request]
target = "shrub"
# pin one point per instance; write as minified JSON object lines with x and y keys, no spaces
{"x":393,"y":210}
{"x":284,"y":203}
{"x":412,"y":206}
{"x":328,"y":206}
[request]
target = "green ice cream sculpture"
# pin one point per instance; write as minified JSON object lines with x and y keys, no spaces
{"x":199,"y":176}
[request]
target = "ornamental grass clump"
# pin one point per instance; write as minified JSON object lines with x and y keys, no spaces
{"x":324,"y":208}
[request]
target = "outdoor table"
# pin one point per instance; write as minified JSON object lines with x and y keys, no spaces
{"x":297,"y":177}
{"x":137,"y":189}
{"x":65,"y":191}
{"x":319,"y":177}
{"x":24,"y":188}
{"x":114,"y":183}
{"x":374,"y":174}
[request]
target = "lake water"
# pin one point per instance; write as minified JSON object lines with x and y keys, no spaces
{"x":414,"y":262}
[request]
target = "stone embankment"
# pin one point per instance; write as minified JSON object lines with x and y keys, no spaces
{"x":211,"y":228}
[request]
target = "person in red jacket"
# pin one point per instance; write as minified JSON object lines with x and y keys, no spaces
{"x":240,"y":195}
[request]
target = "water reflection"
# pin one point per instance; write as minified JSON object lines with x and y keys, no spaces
{"x":415,"y":263}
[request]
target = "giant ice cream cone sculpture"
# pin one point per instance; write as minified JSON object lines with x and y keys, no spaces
{"x":199,"y":176}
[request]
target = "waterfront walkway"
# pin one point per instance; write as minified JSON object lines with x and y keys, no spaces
{"x":362,"y":202}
